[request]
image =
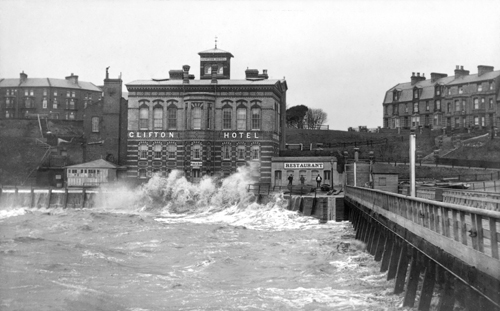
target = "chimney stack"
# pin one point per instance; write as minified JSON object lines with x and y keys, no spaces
{"x":482,"y":69}
{"x":416,"y":78}
{"x":74,"y":79}
{"x":23,"y":76}
{"x":436,"y":76}
{"x":185,"y":74}
{"x":461,"y":72}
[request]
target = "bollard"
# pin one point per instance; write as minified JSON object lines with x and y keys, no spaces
{"x":324,"y":215}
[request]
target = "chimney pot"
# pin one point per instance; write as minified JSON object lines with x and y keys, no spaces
{"x":457,"y":67}
{"x":461,"y":67}
{"x":185,"y":74}
{"x":418,"y":74}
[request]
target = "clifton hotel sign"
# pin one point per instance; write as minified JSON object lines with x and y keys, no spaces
{"x":164,"y":134}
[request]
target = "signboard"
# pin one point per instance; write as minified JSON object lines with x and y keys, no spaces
{"x":196,"y":164}
{"x":213,"y":59}
{"x":241,"y":135}
{"x":303,"y":165}
{"x":151,"y":134}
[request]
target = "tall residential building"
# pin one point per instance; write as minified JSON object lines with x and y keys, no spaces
{"x":209,"y":126}
{"x":460,"y":101}
{"x":46,"y":97}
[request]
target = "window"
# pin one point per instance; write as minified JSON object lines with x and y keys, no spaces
{"x":406,"y":108}
{"x":438,"y":105}
{"x":255,"y":152}
{"x":196,"y":152}
{"x":68,"y":94}
{"x":95,"y":124}
{"x":7,"y":114}
{"x":226,"y":152}
{"x":44,"y":92}
{"x":457,"y":122}
{"x":196,"y":115}
{"x":55,"y":93}
{"x":476,"y":103}
{"x":476,"y":121}
{"x":209,"y":113}
{"x":460,"y":90}
{"x":142,"y":173}
{"x":415,"y":121}
{"x":44,"y":103}
{"x":9,"y":103}
{"x":482,"y":102}
{"x":479,"y":87}
{"x":449,"y":91}
{"x":143,"y":151}
{"x":438,"y":91}
{"x":415,"y":93}
{"x":395,"y":109}
{"x":171,"y":150}
{"x":72,"y":104}
{"x":491,"y":103}
{"x":73,"y":94}
{"x":255,"y":118}
{"x":28,"y":103}
{"x":241,"y":152}
{"x":492,"y":86}
{"x":415,"y":107}
{"x":427,"y":106}
{"x":241,"y":119}
{"x":457,"y":105}
{"x":482,"y":121}
{"x":437,"y":120}
{"x":54,"y":103}
{"x":157,"y":151}
{"x":158,"y":118}
{"x":144,"y":118}
{"x":71,"y":115}
{"x":226,"y":118}
{"x":172,"y":118}
{"x":395,"y":96}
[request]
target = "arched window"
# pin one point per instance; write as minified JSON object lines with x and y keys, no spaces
{"x":172,"y":117}
{"x":171,"y":151}
{"x":256,"y":118}
{"x":241,"y":119}
{"x":220,"y":69}
{"x":226,"y":118}
{"x":144,"y":118}
{"x":157,"y":151}
{"x":226,"y":152}
{"x":196,"y":117}
{"x":255,"y":153}
{"x":95,"y":124}
{"x":143,"y":151}
{"x":196,"y":152}
{"x":208,"y":69}
{"x":158,"y":118}
{"x":241,"y":152}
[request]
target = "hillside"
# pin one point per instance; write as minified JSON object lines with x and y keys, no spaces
{"x":22,"y":149}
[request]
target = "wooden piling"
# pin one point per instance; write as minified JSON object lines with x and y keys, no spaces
{"x":84,"y":197}
{"x":65,"y":197}
{"x":427,"y":286}
{"x":393,"y":262}
{"x":402,"y":269}
{"x":48,"y":197}
{"x":446,"y":297}
{"x":411,"y":288}
{"x":379,"y":249}
{"x":32,"y":197}
{"x":386,"y":257}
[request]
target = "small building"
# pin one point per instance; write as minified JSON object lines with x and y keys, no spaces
{"x":385,"y":177}
{"x":91,"y":174}
{"x":309,"y":167}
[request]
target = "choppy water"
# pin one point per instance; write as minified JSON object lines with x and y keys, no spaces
{"x":176,"y":246}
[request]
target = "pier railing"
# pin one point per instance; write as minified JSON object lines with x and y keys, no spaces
{"x":468,"y":233}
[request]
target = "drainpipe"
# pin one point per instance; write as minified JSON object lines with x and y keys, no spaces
{"x":412,"y":162}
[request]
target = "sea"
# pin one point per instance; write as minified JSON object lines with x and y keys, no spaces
{"x":174,"y":245}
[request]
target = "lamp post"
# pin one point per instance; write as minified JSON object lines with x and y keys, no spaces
{"x":412,"y":162}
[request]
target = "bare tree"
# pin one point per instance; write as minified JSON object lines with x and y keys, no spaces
{"x":314,"y":118}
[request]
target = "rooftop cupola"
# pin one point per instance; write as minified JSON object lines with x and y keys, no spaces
{"x":221,"y":59}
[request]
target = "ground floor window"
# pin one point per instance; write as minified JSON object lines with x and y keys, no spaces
{"x":142,"y":173}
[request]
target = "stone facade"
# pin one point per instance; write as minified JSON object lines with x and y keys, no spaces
{"x":209,"y":126}
{"x":460,"y":101}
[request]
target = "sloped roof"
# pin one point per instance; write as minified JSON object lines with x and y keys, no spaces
{"x":94,"y":164}
{"x":49,"y":82}
{"x":215,"y":51}
{"x":427,"y":86}
{"x":381,"y":168}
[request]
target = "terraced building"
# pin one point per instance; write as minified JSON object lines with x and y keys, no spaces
{"x":460,"y":101}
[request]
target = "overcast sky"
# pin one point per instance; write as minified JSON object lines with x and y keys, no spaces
{"x":340,"y":56}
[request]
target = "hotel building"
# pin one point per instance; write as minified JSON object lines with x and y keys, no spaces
{"x":209,"y":126}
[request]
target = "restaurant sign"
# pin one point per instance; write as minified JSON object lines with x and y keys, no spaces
{"x":304,"y":165}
